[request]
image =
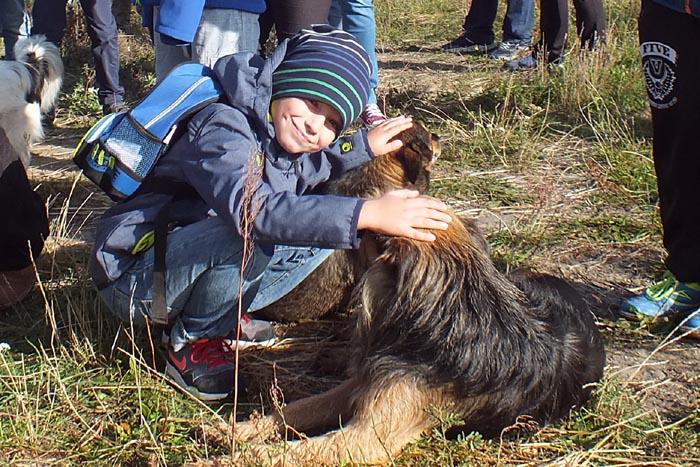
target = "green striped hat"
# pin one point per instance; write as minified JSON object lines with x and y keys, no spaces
{"x":325,"y":64}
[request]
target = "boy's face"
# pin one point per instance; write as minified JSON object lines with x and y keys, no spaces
{"x":304,"y":125}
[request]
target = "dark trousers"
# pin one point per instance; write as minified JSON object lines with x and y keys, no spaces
{"x":290,"y":16}
{"x":50,"y":19}
{"x":671,"y":65}
{"x":517,"y":25}
{"x":554,"y":26}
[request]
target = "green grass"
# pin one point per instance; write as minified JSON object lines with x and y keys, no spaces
{"x":557,"y":165}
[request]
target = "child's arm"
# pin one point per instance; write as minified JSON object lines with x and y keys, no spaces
{"x":402,"y":213}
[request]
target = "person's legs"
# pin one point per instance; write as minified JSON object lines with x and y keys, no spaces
{"x":671,"y":68}
{"x":590,"y":22}
{"x":202,"y":283}
{"x":519,"y":21}
{"x":223,"y":32}
{"x":290,"y":16}
{"x":12,"y":16}
{"x":102,"y":29}
{"x":478,"y":24}
{"x":288,"y":267}
{"x":202,"y":290}
{"x":554,"y":27}
{"x":167,"y":56}
{"x":517,"y":30}
{"x":49,"y":19}
{"x":477,"y":31}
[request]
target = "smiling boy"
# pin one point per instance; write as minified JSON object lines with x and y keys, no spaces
{"x":271,"y":138}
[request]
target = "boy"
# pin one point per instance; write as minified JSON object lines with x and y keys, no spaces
{"x":281,"y":116}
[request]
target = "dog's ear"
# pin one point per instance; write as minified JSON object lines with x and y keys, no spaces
{"x":420,"y":150}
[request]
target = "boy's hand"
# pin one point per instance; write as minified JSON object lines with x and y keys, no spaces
{"x":381,"y":137}
{"x":402,"y":213}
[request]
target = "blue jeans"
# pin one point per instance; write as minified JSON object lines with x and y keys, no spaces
{"x":517,"y":25}
{"x":50,"y":19}
{"x":11,"y":19}
{"x":203,"y":281}
{"x":357,"y":18}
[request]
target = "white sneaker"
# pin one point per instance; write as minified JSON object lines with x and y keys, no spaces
{"x":254,"y":333}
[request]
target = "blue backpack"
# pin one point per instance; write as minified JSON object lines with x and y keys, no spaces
{"x":120,"y":150}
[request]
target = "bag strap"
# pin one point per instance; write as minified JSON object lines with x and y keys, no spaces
{"x":178,"y":191}
{"x":160,"y":305}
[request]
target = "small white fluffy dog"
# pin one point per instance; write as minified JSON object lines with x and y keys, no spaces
{"x":28,"y":86}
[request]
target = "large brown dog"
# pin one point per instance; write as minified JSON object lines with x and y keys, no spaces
{"x":439,"y":328}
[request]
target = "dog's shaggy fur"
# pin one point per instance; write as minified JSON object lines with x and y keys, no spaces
{"x":439,"y":328}
{"x":28,"y":86}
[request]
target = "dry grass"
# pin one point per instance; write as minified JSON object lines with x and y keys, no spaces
{"x":555,"y":166}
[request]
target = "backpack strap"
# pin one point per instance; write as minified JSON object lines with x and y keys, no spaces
{"x":160,"y":305}
{"x":178,"y":191}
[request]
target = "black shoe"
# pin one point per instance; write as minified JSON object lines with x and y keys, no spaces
{"x":462,"y":45}
{"x":203,"y":369}
{"x":114,"y":108}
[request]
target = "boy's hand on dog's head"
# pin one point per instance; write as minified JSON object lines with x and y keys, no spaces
{"x":382,"y":138}
{"x":404,"y":213}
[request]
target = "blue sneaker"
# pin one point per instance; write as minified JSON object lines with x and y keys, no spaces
{"x":668,"y":298}
{"x":528,"y":62}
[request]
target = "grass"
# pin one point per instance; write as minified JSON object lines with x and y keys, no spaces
{"x":557,"y":168}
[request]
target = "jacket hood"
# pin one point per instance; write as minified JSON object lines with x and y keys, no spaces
{"x":246,"y":79}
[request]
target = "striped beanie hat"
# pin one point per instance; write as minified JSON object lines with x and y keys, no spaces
{"x":328,"y":65}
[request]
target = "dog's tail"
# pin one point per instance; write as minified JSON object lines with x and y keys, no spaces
{"x":42,"y":60}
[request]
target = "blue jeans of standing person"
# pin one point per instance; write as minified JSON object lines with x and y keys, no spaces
{"x":517,"y":25}
{"x":50,"y":19}
{"x":357,"y":18}
{"x":11,"y":18}
{"x":203,"y":280}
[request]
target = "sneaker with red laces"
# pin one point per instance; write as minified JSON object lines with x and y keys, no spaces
{"x":372,"y":116}
{"x":254,"y":333}
{"x":203,"y":369}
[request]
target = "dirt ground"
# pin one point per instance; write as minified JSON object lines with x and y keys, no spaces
{"x":666,"y":372}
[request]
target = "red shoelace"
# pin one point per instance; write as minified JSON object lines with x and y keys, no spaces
{"x":210,"y":351}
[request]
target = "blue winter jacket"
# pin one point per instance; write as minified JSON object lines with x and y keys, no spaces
{"x":692,"y":7}
{"x":178,"y":19}
{"x":213,"y":158}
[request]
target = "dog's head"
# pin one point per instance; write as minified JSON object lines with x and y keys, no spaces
{"x":43,"y":60}
{"x":416,"y":157}
{"x":407,"y":167}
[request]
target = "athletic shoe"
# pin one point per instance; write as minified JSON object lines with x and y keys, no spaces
{"x":667,"y":298}
{"x":462,"y":45}
{"x":371,"y":116}
{"x":203,"y":369}
{"x":528,"y":62}
{"x":114,"y":108}
{"x":254,"y":333}
{"x":508,"y":50}
{"x":691,"y":327}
